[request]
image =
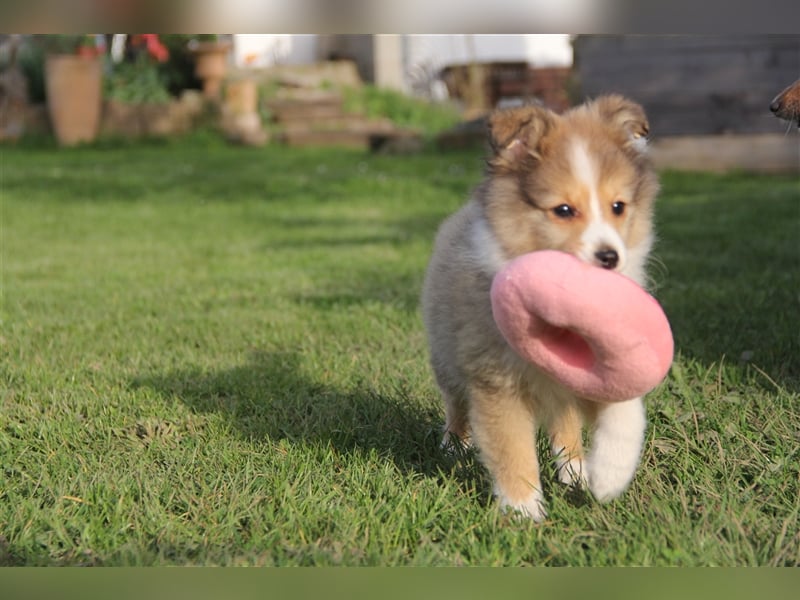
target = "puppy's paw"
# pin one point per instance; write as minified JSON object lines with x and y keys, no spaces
{"x":606,"y":481}
{"x":454,"y":445}
{"x":572,"y":472}
{"x":531,"y":507}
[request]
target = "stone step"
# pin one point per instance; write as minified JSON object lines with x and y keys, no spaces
{"x":757,"y":152}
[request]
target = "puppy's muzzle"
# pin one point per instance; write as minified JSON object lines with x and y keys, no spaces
{"x":607,"y":258}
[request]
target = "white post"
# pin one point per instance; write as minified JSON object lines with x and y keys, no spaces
{"x":388,"y":61}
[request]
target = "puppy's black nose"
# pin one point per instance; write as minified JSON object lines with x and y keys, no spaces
{"x":607,"y":258}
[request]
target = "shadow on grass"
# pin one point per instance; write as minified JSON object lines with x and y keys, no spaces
{"x":345,"y":288}
{"x":729,"y":286}
{"x":271,"y":398}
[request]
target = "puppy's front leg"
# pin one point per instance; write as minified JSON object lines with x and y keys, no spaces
{"x":504,"y":431}
{"x":616,"y":448}
{"x":565,"y":428}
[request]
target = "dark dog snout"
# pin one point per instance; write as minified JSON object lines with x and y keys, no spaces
{"x":607,"y":258}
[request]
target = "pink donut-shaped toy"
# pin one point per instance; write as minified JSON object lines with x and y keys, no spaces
{"x":595,"y":331}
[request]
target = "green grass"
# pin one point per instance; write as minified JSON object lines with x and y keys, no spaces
{"x":405,"y":111}
{"x":213,"y":355}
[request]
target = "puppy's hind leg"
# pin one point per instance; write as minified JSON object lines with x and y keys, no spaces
{"x":456,"y":426}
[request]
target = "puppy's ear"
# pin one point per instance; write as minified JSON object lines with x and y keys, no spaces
{"x":627,"y":116}
{"x":516,"y":135}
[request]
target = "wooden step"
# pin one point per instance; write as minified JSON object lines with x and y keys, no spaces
{"x":356,"y":123}
{"x":306,"y":106}
{"x":341,"y":137}
{"x":376,"y":136}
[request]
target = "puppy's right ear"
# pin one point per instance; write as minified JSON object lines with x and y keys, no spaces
{"x":625,"y":115}
{"x":516,"y":135}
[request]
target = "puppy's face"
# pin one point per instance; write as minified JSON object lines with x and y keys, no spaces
{"x":578,"y":182}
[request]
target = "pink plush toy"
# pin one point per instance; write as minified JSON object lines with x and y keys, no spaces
{"x":595,"y":331}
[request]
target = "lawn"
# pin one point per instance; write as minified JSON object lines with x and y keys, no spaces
{"x":214,"y":355}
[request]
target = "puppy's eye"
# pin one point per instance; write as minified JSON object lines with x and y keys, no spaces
{"x":618,"y":207}
{"x":564,"y":211}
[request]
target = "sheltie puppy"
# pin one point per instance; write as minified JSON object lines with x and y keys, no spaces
{"x":579,"y":182}
{"x":786,"y":105}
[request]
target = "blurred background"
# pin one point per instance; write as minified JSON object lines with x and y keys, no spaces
{"x":707,"y":96}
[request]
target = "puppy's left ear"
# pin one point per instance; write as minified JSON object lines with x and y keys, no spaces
{"x":627,"y":116}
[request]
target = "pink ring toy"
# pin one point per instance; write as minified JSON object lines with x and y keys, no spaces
{"x":595,"y":331}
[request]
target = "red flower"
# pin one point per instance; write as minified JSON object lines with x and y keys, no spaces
{"x":88,"y":51}
{"x":154,"y":46}
{"x":90,"y":46}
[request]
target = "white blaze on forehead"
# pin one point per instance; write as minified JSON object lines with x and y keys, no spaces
{"x":599,"y":233}
{"x":583,"y":166}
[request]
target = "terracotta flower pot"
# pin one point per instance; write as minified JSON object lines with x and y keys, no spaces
{"x":74,"y":90}
{"x":211,"y":65}
{"x":241,"y":96}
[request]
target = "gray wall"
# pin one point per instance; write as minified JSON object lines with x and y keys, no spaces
{"x":693,"y":84}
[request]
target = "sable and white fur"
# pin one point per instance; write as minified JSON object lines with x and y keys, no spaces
{"x":786,"y":105}
{"x":579,"y":182}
